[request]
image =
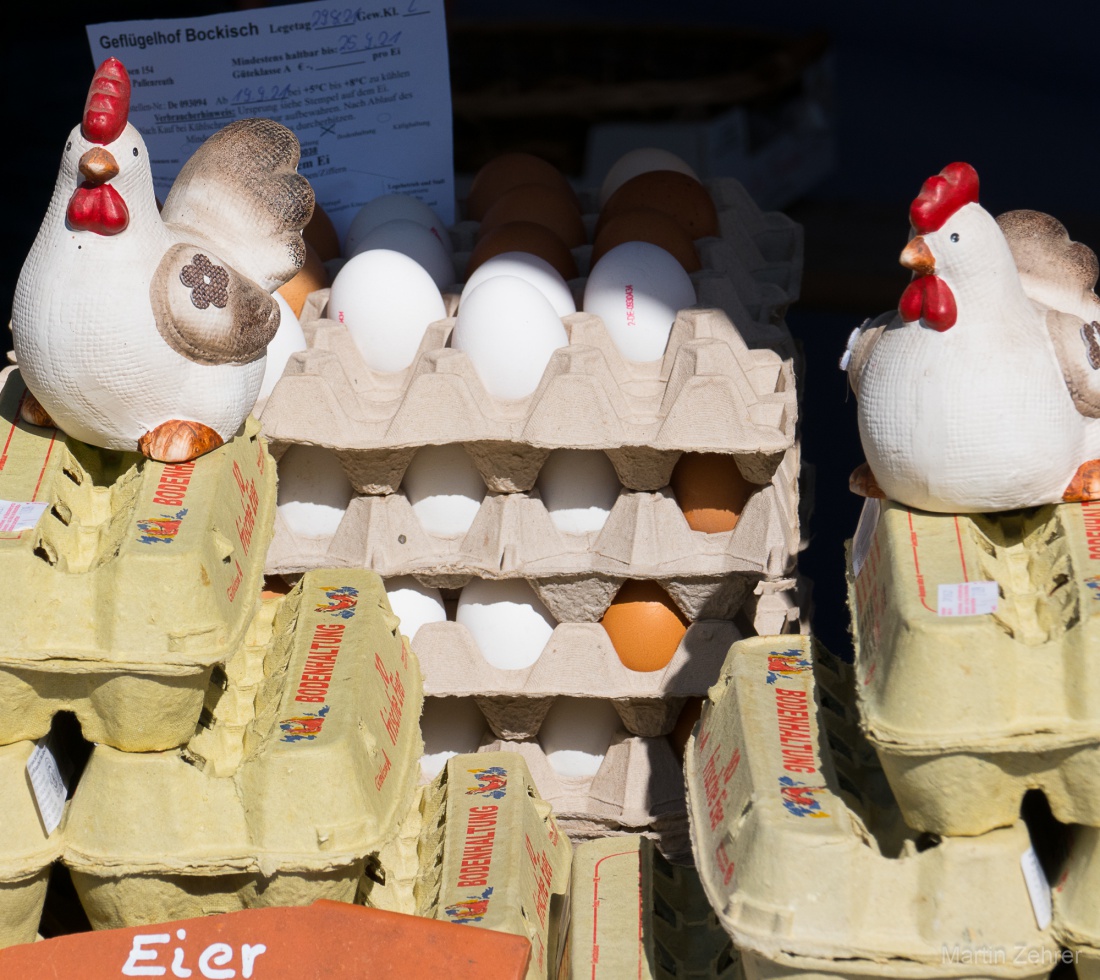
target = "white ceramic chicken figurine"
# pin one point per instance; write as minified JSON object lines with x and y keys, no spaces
{"x":142,"y":330}
{"x":982,"y":391}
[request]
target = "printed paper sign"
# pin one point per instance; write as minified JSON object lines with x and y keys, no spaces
{"x":365,"y":88}
{"x":967,"y":599}
{"x":1037,"y":887}
{"x":50,"y":791}
{"x":865,"y":533}
{"x":19,"y":517}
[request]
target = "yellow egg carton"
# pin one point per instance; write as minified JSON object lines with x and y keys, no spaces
{"x":975,"y":652}
{"x":1076,"y":903}
{"x":326,"y":774}
{"x":28,"y":851}
{"x":577,"y":662}
{"x":709,"y":393}
{"x":646,"y":536}
{"x":636,"y":915}
{"x":127,"y":580}
{"x":803,"y":853}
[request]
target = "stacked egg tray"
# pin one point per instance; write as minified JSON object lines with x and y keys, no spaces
{"x":805,"y":857}
{"x":135,"y":579}
{"x":305,"y":768}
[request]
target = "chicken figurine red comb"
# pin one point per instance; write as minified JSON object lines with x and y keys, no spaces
{"x":144,"y":330}
{"x":982,"y":391}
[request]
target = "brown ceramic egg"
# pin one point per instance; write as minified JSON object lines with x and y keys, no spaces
{"x":509,"y":170}
{"x":320,"y":232}
{"x":678,"y":195}
{"x":647,"y":225}
{"x":542,"y":204}
{"x":689,"y":715}
{"x":311,"y":276}
{"x":711,"y":491}
{"x":524,"y":236}
{"x":644,"y":624}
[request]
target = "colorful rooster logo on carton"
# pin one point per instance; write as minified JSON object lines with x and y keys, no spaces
{"x":161,"y":529}
{"x":786,"y":665}
{"x":470,"y":909}
{"x":491,"y":782}
{"x":303,"y":727}
{"x":341,"y":601}
{"x":799,"y":798}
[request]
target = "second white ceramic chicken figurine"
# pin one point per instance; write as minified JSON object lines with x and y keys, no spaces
{"x":144,"y":330}
{"x":981,"y":392}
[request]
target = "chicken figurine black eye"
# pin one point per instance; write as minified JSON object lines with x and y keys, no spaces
{"x":68,"y":146}
{"x":954,"y":234}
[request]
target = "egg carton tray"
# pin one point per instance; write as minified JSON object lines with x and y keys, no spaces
{"x":709,"y":393}
{"x":636,"y":915}
{"x":326,"y":774}
{"x":1076,"y":907}
{"x":28,"y":851}
{"x":128,"y":580}
{"x":638,"y":789}
{"x":577,"y":662}
{"x":975,"y":642}
{"x":787,"y":808}
{"x":489,"y":854}
{"x":513,"y":536}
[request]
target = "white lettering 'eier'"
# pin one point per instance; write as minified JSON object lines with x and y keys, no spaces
{"x":214,"y":963}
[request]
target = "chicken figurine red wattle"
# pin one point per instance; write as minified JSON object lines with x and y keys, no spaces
{"x":144,"y":330}
{"x":981,"y":392}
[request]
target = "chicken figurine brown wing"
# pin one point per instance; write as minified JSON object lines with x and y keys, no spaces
{"x":145,"y":330}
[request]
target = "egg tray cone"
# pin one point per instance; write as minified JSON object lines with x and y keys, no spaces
{"x":137,"y":579}
{"x":1076,"y":899}
{"x":636,"y":915}
{"x":326,"y":775}
{"x":27,"y":853}
{"x":968,"y":712}
{"x":488,"y":854}
{"x":709,"y":393}
{"x":804,"y":855}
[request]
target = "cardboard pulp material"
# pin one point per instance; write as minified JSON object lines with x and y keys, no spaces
{"x":130,"y":579}
{"x":804,"y":856}
{"x":976,"y":639}
{"x":636,"y":915}
{"x":490,"y":855}
{"x":1076,"y":900}
{"x":327,"y":774}
{"x":28,"y":851}
{"x":638,"y":789}
{"x":709,"y":393}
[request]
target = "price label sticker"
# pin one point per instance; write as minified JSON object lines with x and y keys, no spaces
{"x":17,"y":517}
{"x":50,"y":791}
{"x":865,"y":533}
{"x":1037,"y":887}
{"x":967,"y":599}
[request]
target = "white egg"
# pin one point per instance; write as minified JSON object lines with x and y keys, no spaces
{"x":288,"y":340}
{"x":576,"y":734}
{"x":417,"y":242}
{"x":509,"y":331}
{"x":389,"y":207}
{"x":449,"y":727}
{"x":637,"y":289}
{"x":532,"y":268}
{"x":314,"y":491}
{"x":579,"y":487}
{"x":414,"y":604}
{"x":386,"y":300}
{"x":640,"y":161}
{"x":444,"y":488}
{"x":507,"y":621}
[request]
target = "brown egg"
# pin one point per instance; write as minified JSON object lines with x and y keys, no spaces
{"x":311,"y":277}
{"x":689,"y":715}
{"x":544,"y":205}
{"x":509,"y":170}
{"x":320,"y":232}
{"x":644,"y":624}
{"x":647,"y":225}
{"x":678,"y":195}
{"x":710,"y":491}
{"x":524,"y":236}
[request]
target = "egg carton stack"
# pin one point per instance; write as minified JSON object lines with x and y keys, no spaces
{"x":975,"y":637}
{"x":722,"y":386}
{"x":129,"y":583}
{"x":804,"y":853}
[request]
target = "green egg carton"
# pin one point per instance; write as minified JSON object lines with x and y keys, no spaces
{"x":283,"y":810}
{"x":127,"y":580}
